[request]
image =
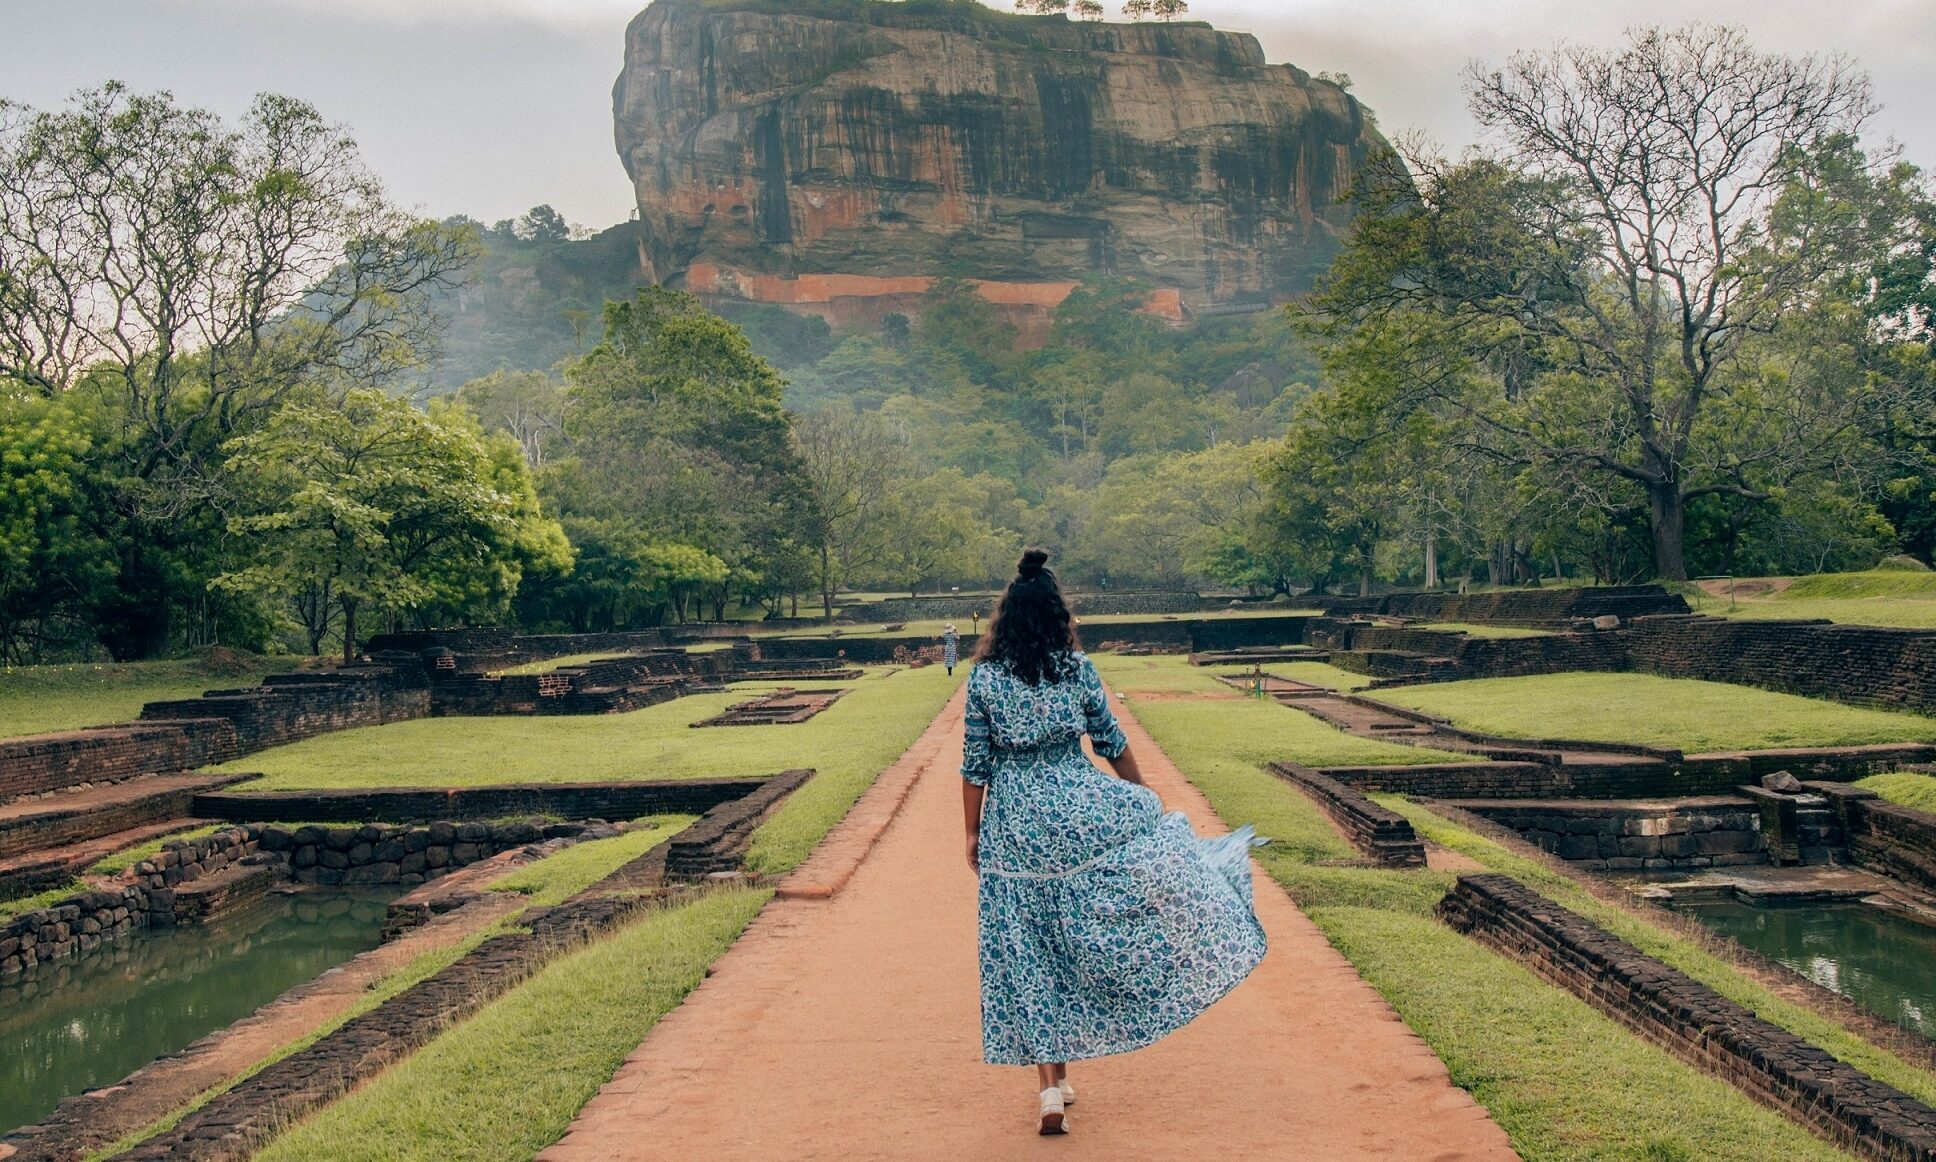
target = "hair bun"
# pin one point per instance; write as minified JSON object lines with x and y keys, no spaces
{"x":1031,"y":565}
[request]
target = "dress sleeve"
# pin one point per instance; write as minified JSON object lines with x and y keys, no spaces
{"x":977,"y":760}
{"x":1100,"y":721}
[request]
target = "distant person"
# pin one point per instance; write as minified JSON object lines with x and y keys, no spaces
{"x":1105,"y":923}
{"x":951,"y":648}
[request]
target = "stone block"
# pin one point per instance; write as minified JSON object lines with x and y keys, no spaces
{"x":1578,"y":847}
{"x":339,"y":838}
{"x":388,"y":851}
{"x":465,"y":853}
{"x":334,"y":860}
{"x":436,"y":857}
{"x":305,"y":856}
{"x":360,"y":854}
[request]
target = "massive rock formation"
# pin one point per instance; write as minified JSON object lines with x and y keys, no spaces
{"x":837,"y":155}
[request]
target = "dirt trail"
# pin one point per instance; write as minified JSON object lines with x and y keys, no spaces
{"x":848,"y":1028}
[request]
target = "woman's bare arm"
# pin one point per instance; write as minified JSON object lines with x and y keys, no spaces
{"x":1124,"y":765}
{"x":971,"y":797}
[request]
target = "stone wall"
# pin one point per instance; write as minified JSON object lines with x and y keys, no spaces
{"x":1530,"y":607}
{"x":76,"y":925}
{"x":717,"y":843}
{"x":288,"y":708}
{"x":87,"y":920}
{"x":1863,"y":665}
{"x":1413,"y":654}
{"x":613,"y":801}
{"x":36,"y":764}
{"x":1513,"y":778}
{"x":1126,"y":602}
{"x":60,"y":824}
{"x":379,"y":853}
{"x":1602,"y":835}
{"x":1897,"y":841}
{"x":1691,"y":1020}
{"x":1379,"y":832}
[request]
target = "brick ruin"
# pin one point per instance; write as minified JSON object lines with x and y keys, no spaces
{"x":1692,"y":1021}
{"x":781,"y":707}
{"x":429,"y":834}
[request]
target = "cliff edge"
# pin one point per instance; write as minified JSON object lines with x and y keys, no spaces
{"x":816,"y":152}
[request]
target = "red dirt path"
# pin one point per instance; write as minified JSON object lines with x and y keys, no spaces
{"x":848,"y":1028}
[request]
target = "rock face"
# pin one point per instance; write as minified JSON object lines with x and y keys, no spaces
{"x":830,"y":151}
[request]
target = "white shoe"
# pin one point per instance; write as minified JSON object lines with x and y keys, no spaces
{"x":1068,"y":1092}
{"x":1054,"y":1119}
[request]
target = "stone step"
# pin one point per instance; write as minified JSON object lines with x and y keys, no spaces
{"x":54,"y":821}
{"x":23,"y":875}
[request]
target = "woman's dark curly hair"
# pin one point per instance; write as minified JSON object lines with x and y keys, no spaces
{"x":1031,"y":633}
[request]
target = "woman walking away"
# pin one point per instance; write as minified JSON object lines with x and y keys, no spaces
{"x":1105,"y":923}
{"x":951,"y":648}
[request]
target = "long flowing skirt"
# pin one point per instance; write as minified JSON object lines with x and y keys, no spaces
{"x":1105,"y":924}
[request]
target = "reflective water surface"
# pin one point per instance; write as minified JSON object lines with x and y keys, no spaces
{"x":80,"y":1024}
{"x":1875,"y":958}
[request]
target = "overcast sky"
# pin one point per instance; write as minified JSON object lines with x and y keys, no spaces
{"x":487,"y":107}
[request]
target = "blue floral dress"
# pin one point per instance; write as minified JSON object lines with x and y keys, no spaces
{"x":1105,"y":924}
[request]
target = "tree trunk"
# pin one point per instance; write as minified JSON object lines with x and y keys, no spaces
{"x":1364,"y":573}
{"x":1669,"y":511}
{"x":349,"y":631}
{"x":826,"y":584}
{"x":1432,"y":559}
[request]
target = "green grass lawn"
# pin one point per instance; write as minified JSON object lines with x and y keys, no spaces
{"x":1883,"y":597}
{"x":1672,"y":712}
{"x":560,"y":876}
{"x":1565,"y":1082}
{"x":848,"y":744}
{"x":549,"y":664}
{"x":38,"y":699}
{"x":474,"y":1095}
{"x":1243,"y":732}
{"x":1904,"y":788}
{"x":1493,"y":631}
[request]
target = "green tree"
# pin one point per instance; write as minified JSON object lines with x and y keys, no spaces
{"x":196,"y":273}
{"x":368,"y":504}
{"x":678,"y":435}
{"x":53,"y":560}
{"x":528,"y":406}
{"x":1621,"y":242}
{"x":853,"y":464}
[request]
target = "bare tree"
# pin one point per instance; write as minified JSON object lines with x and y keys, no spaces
{"x":1658,"y":166}
{"x":209,"y":269}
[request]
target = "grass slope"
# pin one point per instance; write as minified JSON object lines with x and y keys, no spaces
{"x":1564,"y":1082}
{"x":39,"y":699}
{"x":1904,"y":789}
{"x":1243,"y":731}
{"x":556,"y":878}
{"x":848,"y":745}
{"x":1673,"y":712}
{"x":1883,"y":597}
{"x":657,"y":742}
{"x":1472,"y":629}
{"x":506,"y":1083}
